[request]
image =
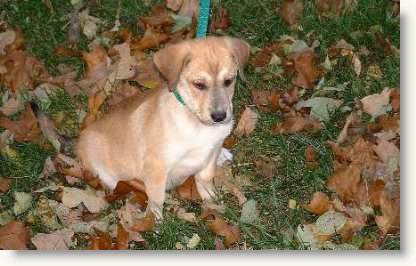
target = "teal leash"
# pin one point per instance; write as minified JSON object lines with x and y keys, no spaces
{"x":201,"y":32}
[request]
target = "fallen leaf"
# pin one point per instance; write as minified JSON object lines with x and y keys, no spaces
{"x":186,"y":216}
{"x":387,"y":152}
{"x":291,"y":10}
{"x":24,"y":129}
{"x":377,"y":104}
{"x":319,"y":203}
{"x":6,"y":38}
{"x":307,"y":72}
{"x":297,"y":123}
{"x":247,"y":122}
{"x":220,"y":21}
{"x":218,"y":226}
{"x":150,"y":39}
{"x":266,"y":168}
{"x":356,"y":64}
{"x":123,"y":237}
{"x":346,"y":182}
{"x":68,"y":166}
{"x":58,"y":240}
{"x":22,"y":71}
{"x":14,"y":236}
{"x":193,"y":241}
{"x":49,"y":131}
{"x":72,"y":197}
{"x":5,"y":184}
{"x":188,"y":190}
{"x":330,"y":222}
{"x":175,"y":5}
{"x":88,"y":24}
{"x":101,"y":242}
{"x":321,"y":107}
{"x":126,"y":67}
{"x":249,"y":212}
{"x":147,"y":223}
{"x":389,"y":221}
{"x":23,"y":201}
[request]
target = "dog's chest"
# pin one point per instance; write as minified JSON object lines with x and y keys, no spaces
{"x":191,"y":150}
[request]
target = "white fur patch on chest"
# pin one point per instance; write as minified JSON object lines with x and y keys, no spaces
{"x":191,"y":148}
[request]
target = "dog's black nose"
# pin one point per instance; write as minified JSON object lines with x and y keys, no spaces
{"x":218,"y":116}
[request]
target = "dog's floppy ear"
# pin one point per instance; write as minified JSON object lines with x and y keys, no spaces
{"x":170,"y":61}
{"x":241,"y":51}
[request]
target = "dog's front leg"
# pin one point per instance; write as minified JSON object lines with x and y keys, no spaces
{"x":155,"y":189}
{"x":204,"y":179}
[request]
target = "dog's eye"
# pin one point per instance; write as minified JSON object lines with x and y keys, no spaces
{"x":200,"y":85}
{"x":228,"y":82}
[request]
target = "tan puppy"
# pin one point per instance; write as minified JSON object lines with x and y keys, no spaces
{"x":160,"y":141}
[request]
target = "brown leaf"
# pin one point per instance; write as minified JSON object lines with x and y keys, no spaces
{"x":58,"y":240}
{"x":218,"y":226}
{"x":389,"y":221}
{"x":63,"y":51}
{"x":101,"y":242}
{"x":387,"y":151}
{"x":274,"y":100}
{"x":291,"y":10}
{"x":395,"y":100}
{"x":375,"y":192}
{"x":266,"y":168}
{"x":346,"y":182}
{"x":375,"y":104}
{"x":68,"y":166}
{"x":150,"y":39}
{"x":260,"y":97}
{"x":14,"y":236}
{"x":94,"y":104}
{"x":220,"y":21}
{"x":188,"y":190}
{"x":307,"y":72}
{"x":24,"y":129}
{"x":334,"y":8}
{"x":297,"y":123}
{"x":319,"y":203}
{"x":310,"y":154}
{"x":122,"y":240}
{"x":145,"y":224}
{"x":5,"y":184}
{"x":247,"y":122}
{"x":97,"y":69}
{"x":229,"y":142}
{"x":23,"y":71}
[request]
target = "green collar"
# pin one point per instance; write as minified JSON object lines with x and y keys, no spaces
{"x":178,"y":96}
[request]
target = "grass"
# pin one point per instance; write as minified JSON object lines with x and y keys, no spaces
{"x":259,"y":24}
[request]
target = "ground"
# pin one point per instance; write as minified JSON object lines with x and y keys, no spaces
{"x":259,"y":23}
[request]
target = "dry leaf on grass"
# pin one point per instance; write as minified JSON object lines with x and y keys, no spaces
{"x":6,"y":38}
{"x":14,"y":235}
{"x":297,"y":123}
{"x":72,"y":197}
{"x":58,"y":240}
{"x":5,"y":184}
{"x":150,"y":39}
{"x":188,"y":190}
{"x":101,"y":242}
{"x":389,"y":221}
{"x":307,"y":72}
{"x":67,"y":165}
{"x":319,"y":203}
{"x":377,"y":104}
{"x":247,"y":122}
{"x":291,"y":10}
{"x":218,"y":226}
{"x":24,"y":129}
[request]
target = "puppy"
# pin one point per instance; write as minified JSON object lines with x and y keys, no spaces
{"x":166,"y":138}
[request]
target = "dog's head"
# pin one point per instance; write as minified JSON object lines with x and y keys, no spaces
{"x":204,"y":72}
